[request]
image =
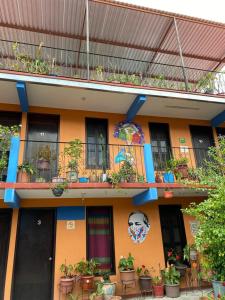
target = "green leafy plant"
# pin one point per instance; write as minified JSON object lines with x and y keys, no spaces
{"x":206,"y":83}
{"x":211,"y":212}
{"x":27,"y":168}
{"x":67,"y":270}
{"x":88,"y":267}
{"x":106,"y":277}
{"x":157,"y":280}
{"x":99,"y":290}
{"x":73,"y":152}
{"x":143,"y":271}
{"x":127,"y":171}
{"x":126,"y":264}
{"x":171,"y":275}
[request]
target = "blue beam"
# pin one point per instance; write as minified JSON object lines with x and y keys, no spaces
{"x":152,"y":193}
{"x":22,"y":94}
{"x":219,"y":119}
{"x":10,"y":197}
{"x":135,"y":107}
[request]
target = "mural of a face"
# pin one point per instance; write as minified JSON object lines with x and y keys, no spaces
{"x":138,"y":226}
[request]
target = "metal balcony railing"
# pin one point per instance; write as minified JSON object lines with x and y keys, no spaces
{"x":46,"y":161}
{"x":105,"y":68}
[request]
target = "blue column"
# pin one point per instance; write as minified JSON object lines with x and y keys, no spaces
{"x":10,"y":197}
{"x":152,"y":193}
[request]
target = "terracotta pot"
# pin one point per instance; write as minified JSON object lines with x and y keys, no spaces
{"x":127,"y":275}
{"x":168,"y":194}
{"x":87,"y":282}
{"x":43,"y":164}
{"x":172,"y":290}
{"x":100,"y":297}
{"x":66,"y":285}
{"x":182,"y":170}
{"x":23,"y":177}
{"x":145,"y":283}
{"x":158,"y":178}
{"x":158,"y":291}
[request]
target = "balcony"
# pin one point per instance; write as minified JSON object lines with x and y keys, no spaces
{"x":79,"y":66}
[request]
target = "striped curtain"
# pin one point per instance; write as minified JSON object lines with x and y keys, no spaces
{"x":100,"y":237}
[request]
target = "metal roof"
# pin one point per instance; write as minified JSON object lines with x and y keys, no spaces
{"x":116,"y":29}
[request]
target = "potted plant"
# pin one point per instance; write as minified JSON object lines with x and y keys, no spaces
{"x":206,"y":83}
{"x":126,"y":267}
{"x":43,"y":157}
{"x":172,"y":281}
{"x":158,"y":286}
{"x":99,"y":293}
{"x":114,"y":178}
{"x":86,"y":270}
{"x":168,"y":176}
{"x":6,"y":133}
{"x":73,"y":153}
{"x":83,"y":178}
{"x":109,"y":288}
{"x":59,"y":188}
{"x":181,"y":167}
{"x":158,"y":177}
{"x":168,"y":193}
{"x":127,"y":172}
{"x":67,"y":280}
{"x":190,"y":253}
{"x":25,"y":171}
{"x":145,"y":280}
{"x":94,"y":176}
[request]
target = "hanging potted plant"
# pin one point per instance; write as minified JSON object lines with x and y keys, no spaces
{"x":145,"y":280}
{"x":73,"y":153}
{"x":158,"y":287}
{"x":168,"y":193}
{"x":87,"y":269}
{"x":109,"y":288}
{"x":25,"y":171}
{"x":172,"y":282}
{"x":126,"y":267}
{"x":67,"y":280}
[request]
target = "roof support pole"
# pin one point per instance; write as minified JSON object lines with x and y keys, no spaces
{"x":87,"y":39}
{"x":181,"y":54}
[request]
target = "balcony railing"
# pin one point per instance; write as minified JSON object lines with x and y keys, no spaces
{"x":48,"y":161}
{"x":169,"y":158}
{"x":105,"y":68}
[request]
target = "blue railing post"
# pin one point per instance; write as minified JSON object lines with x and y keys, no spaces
{"x":152,"y":193}
{"x":10,"y":197}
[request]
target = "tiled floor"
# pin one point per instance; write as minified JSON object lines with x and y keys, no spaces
{"x":192,"y":295}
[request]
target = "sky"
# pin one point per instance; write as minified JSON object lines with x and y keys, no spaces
{"x":206,"y":9}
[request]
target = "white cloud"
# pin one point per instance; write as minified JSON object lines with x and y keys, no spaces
{"x":206,"y":9}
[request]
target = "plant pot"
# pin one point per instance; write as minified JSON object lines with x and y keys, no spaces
{"x":181,"y":269}
{"x":168,"y":194}
{"x":182,"y":170}
{"x":72,"y":176}
{"x":58,"y":179}
{"x":57,"y":192}
{"x":99,"y":297}
{"x":193,"y":254}
{"x":158,"y":291}
{"x":172,"y":290}
{"x":43,"y":164}
{"x":218,"y":289}
{"x":168,"y":177}
{"x":158,"y":178}
{"x":87,"y":282}
{"x":23,"y":177}
{"x":109,"y":290}
{"x":66,"y":285}
{"x":83,"y":179}
{"x":93,"y":178}
{"x":40,"y":180}
{"x":127,"y":275}
{"x":145,"y":283}
{"x":104,"y":177}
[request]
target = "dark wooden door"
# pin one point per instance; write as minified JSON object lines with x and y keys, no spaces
{"x":33,"y":270}
{"x":5,"y":226}
{"x":202,"y":139}
{"x":160,"y":141}
{"x":172,"y":226}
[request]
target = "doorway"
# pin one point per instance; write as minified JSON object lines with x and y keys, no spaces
{"x":5,"y":226}
{"x":172,"y":227}
{"x":34,"y":259}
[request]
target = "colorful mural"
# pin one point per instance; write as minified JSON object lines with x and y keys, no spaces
{"x":138,"y":226}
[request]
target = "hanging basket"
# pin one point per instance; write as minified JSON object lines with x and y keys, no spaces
{"x":57,"y":192}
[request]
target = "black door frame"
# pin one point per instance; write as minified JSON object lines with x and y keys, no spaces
{"x":182,"y":224}
{"x":54,"y":209}
{"x":10,"y":211}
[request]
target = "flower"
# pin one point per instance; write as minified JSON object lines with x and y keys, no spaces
{"x":143,"y":266}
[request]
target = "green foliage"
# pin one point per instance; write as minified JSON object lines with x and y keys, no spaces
{"x":67,"y":270}
{"x":186,"y":251}
{"x":99,"y":290}
{"x":157,"y":280}
{"x":171,"y":275}
{"x":126,"y":264}
{"x":88,"y":267}
{"x":106,"y":277}
{"x":6,"y":133}
{"x":45,"y":153}
{"x":143,"y":271}
{"x":27,"y":168}
{"x":210,"y":238}
{"x":73,"y":151}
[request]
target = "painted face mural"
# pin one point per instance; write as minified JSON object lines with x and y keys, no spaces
{"x":138,"y":226}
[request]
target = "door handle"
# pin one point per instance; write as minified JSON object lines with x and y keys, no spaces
{"x":50,"y":258}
